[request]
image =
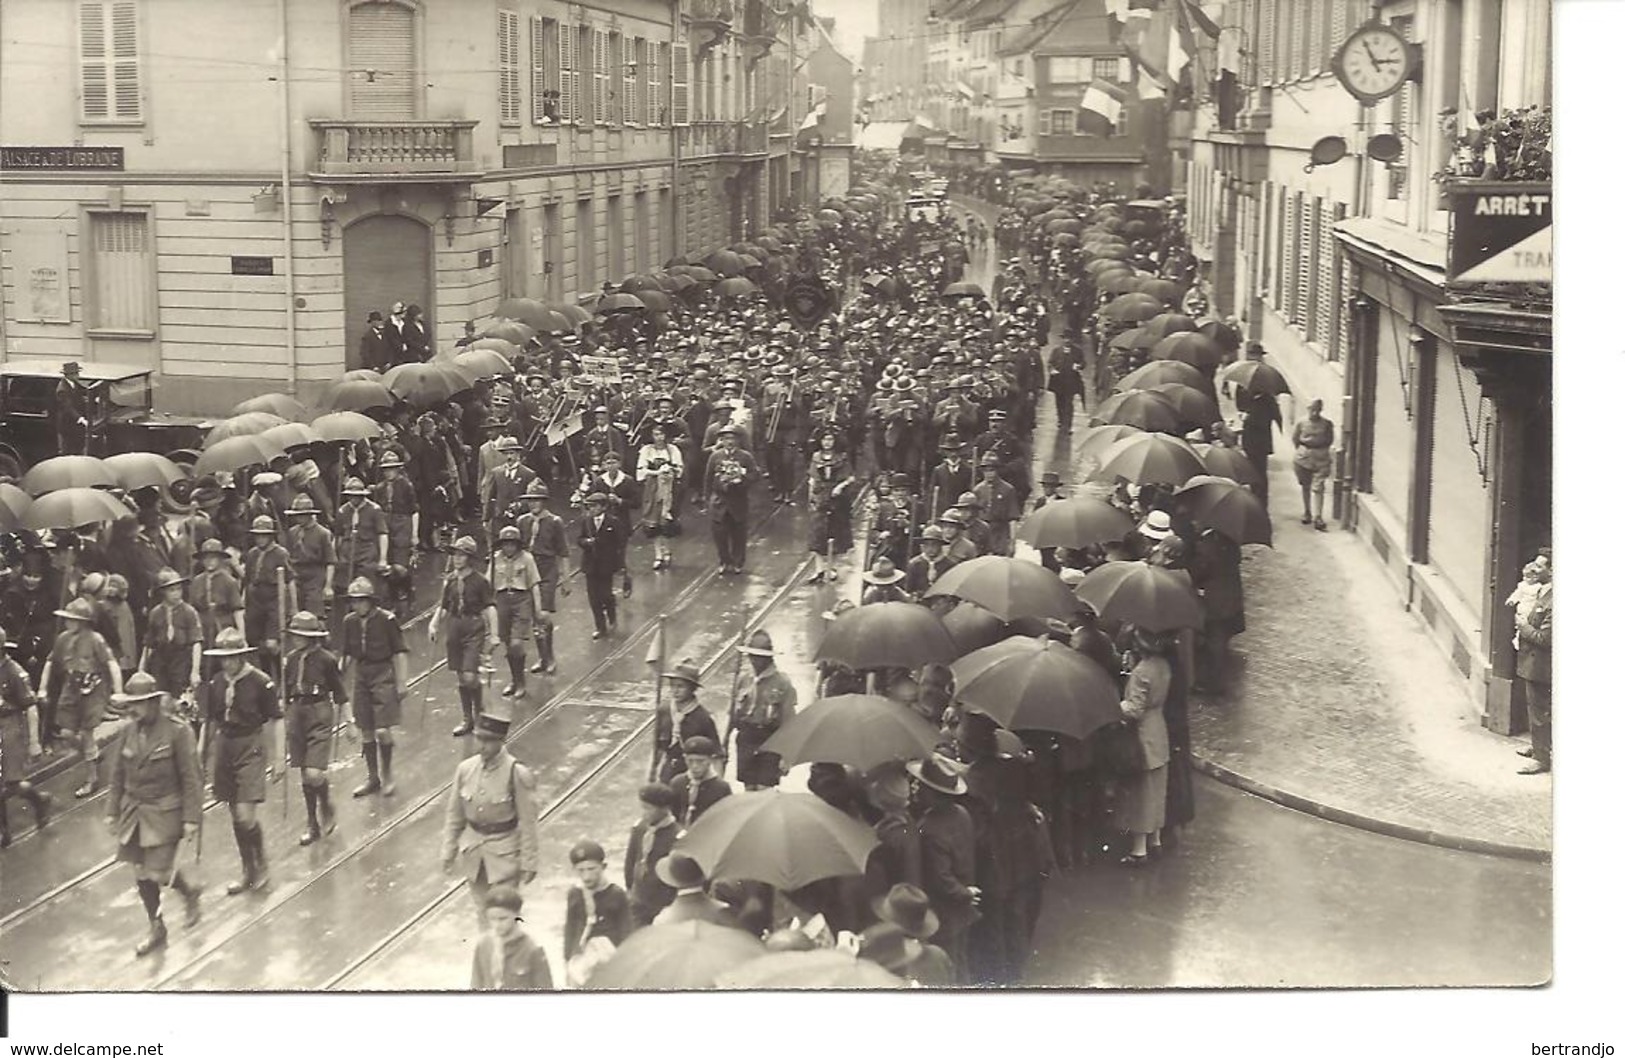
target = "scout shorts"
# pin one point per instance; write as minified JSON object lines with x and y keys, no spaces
{"x":515,"y":616}
{"x":465,"y":641}
{"x":153,"y":859}
{"x":310,"y":734}
{"x":239,"y":769}
{"x":377,"y":699}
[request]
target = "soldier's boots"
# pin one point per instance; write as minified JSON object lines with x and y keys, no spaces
{"x":369,"y":752}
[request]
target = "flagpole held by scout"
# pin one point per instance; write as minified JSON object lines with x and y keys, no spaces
{"x":656,"y":657}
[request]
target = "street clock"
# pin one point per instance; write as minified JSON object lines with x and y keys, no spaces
{"x":1375,"y":62}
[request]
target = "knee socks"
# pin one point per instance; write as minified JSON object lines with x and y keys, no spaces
{"x":369,"y":753}
{"x":312,"y":797}
{"x":386,"y":759}
{"x":149,"y":897}
{"x":516,"y":664}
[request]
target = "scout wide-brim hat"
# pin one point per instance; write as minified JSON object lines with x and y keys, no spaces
{"x":211,"y":546}
{"x":935,"y":774}
{"x":77,"y":610}
{"x":229,"y":644}
{"x":885,"y":572}
{"x":679,"y":871}
{"x":685,"y":670}
{"x":140,"y":687}
{"x":509,"y":534}
{"x":759,"y":645}
{"x":302,"y":505}
{"x":355,"y":487}
{"x":308,"y":625}
{"x":168,"y":578}
{"x":360,"y":588}
{"x":264,"y":525}
{"x":467,"y":545}
{"x":536,"y":490}
{"x":390,"y":459}
{"x":510,"y":444}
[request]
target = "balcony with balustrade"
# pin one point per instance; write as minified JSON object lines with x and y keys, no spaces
{"x":394,"y":151}
{"x":722,"y":139}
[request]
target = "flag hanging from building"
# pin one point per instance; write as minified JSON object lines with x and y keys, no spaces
{"x":1204,"y":17}
{"x":1102,"y":105}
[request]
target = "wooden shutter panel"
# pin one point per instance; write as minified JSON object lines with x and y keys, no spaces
{"x":679,"y":84}
{"x":631,"y":54}
{"x":122,"y":265}
{"x":383,"y":40}
{"x":1265,"y":62}
{"x":126,"y":64}
{"x":94,"y":76}
{"x":541,"y":81}
{"x":567,"y":74}
{"x":600,"y":76}
{"x":651,"y":84}
{"x":1337,"y":286}
{"x":508,"y":95}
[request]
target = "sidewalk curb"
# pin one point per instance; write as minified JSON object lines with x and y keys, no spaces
{"x":1374,"y":824}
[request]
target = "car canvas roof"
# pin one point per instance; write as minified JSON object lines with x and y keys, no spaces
{"x":90,"y":372}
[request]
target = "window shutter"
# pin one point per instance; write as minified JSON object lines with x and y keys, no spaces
{"x":94,"y":75}
{"x":508,"y":94}
{"x":122,"y":272}
{"x":567,"y":75}
{"x":651,"y":86}
{"x":1317,"y":34}
{"x":600,"y":76}
{"x":631,"y":106}
{"x":1336,"y":318}
{"x":1266,"y":42}
{"x":679,"y":84}
{"x":1309,"y":269}
{"x":126,"y":62}
{"x":538,"y":70}
{"x":1043,"y":123}
{"x":383,"y":77}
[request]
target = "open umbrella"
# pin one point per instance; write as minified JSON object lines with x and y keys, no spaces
{"x":1099,"y":440}
{"x":698,"y":273}
{"x":360,"y":374}
{"x":821,"y":968}
{"x":1066,"y":224}
{"x":1164,"y":290}
{"x":963,"y":289}
{"x":1029,"y":684}
{"x":1101,"y":265}
{"x":1141,"y":408}
{"x":1165,"y":323}
{"x":524,"y":310}
{"x":574,"y":313}
{"x":1198,"y":350}
{"x":14,"y":504}
{"x":1129,"y":308}
{"x":887,"y":635}
{"x":234,"y":453}
{"x":637,"y":283}
{"x":510,"y":331}
{"x":654,"y":300}
{"x":1152,"y":597}
{"x":880,"y":284}
{"x":1009,"y":588}
{"x":345,"y":426}
{"x":725,"y":262}
{"x":423,"y":385}
{"x":735,"y":287}
{"x":497,"y":345}
{"x":1225,"y":507}
{"x":1226,"y":335}
{"x":68,"y":472}
{"x":359,"y":395}
{"x":1255,"y":376}
{"x":680,"y":283}
{"x":683,"y":955}
{"x":291,"y":435}
{"x":279,"y":404}
{"x":72,"y":507}
{"x":861,"y":731}
{"x":1064,"y":238}
{"x":974,"y":628}
{"x":1230,"y":463}
{"x":254,"y":422}
{"x":1128,"y":340}
{"x":1150,"y":457}
{"x":610,"y":304}
{"x":1160,"y":372}
{"x":485,"y":363}
{"x":787,"y":840}
{"x":1195,"y":407}
{"x":1078,"y":522}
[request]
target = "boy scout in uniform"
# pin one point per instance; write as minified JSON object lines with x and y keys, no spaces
{"x":517,"y":585}
{"x":315,"y":696}
{"x":398,"y":500}
{"x":491,"y":826}
{"x":310,"y":550}
{"x":174,"y":639}
{"x":542,"y":533}
{"x":19,"y":741}
{"x":468,"y":607}
{"x":265,"y":566}
{"x":242,"y":702}
{"x":155,"y":800}
{"x":763,"y":701}
{"x":373,"y":649}
{"x":360,"y":530}
{"x":89,"y":675}
{"x":218,"y":600}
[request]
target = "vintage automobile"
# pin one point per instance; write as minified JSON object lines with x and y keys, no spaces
{"x":120,"y":414}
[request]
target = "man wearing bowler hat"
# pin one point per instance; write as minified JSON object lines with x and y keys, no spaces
{"x":762,"y":702}
{"x":242,"y":703}
{"x":490,"y":823}
{"x":155,"y":800}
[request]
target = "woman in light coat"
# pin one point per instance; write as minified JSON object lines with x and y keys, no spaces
{"x":1142,"y":807}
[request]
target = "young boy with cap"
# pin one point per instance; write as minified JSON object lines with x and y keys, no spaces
{"x":597,"y":913}
{"x":506,"y":959}
{"x":652,"y":839}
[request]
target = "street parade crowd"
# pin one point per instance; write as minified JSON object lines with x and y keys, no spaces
{"x":1006,"y":699}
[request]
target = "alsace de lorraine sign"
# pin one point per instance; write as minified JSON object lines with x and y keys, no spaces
{"x":1500,"y":233}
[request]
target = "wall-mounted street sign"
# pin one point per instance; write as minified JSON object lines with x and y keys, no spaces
{"x":14,"y":159}
{"x":1500,"y":233}
{"x":253,"y":266}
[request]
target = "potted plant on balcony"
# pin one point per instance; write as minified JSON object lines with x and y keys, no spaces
{"x":1507,"y":146}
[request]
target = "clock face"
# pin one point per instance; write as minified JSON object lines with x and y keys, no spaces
{"x":1374,"y":63}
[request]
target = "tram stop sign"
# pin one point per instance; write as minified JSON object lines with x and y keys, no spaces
{"x":807,"y":301}
{"x":1500,"y":232}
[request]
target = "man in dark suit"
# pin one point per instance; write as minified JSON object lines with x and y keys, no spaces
{"x":155,"y":799}
{"x":375,"y":348}
{"x":1534,"y":647}
{"x":728,"y":478}
{"x":603,"y":547}
{"x":947,"y":854}
{"x":652,"y":840}
{"x":700,"y":786}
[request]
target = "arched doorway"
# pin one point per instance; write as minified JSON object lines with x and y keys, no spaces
{"x":387,"y":258}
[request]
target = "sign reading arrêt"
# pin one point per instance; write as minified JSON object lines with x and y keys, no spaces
{"x":1500,"y":233}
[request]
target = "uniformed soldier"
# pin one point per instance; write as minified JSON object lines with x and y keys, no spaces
{"x":360,"y":532}
{"x":518,"y":587}
{"x":173,"y":643}
{"x":315,"y":690}
{"x":89,"y":676}
{"x":1000,"y":506}
{"x":762,"y":702}
{"x":155,"y":801}
{"x":19,"y":741}
{"x":242,"y":703}
{"x":373,"y":650}
{"x":312,"y":555}
{"x":266,"y":567}
{"x":468,"y":607}
{"x":491,"y":818}
{"x":397,"y":498}
{"x":543,"y":535}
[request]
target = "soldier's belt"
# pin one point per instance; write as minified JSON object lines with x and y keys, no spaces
{"x":239,"y":730}
{"x":493,"y":829}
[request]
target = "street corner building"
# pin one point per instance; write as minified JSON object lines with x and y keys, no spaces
{"x":180,"y":191}
{"x":1385,"y":231}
